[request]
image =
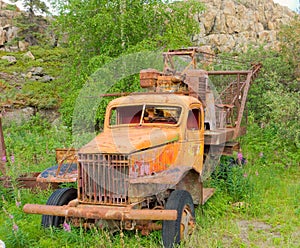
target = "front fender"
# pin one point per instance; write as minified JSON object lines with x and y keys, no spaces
{"x":65,"y":173}
{"x":157,"y":183}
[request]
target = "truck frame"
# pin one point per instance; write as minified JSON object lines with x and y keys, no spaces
{"x":156,"y":149}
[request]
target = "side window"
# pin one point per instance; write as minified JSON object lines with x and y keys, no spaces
{"x":193,"y":122}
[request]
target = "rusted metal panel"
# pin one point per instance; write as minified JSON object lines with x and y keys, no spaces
{"x":127,"y":140}
{"x":229,"y":72}
{"x":192,"y":183}
{"x":101,"y":212}
{"x":154,"y":160}
{"x":28,"y":181}
{"x":221,"y":136}
{"x":148,"y":78}
{"x":65,"y":170}
{"x":66,"y":155}
{"x":157,"y":183}
{"x":207,"y":193}
{"x":60,"y":174}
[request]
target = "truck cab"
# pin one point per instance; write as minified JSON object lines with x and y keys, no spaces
{"x":144,"y":136}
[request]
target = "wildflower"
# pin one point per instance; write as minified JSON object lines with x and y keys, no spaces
{"x":261,"y":154}
{"x":3,"y":158}
{"x":15,"y":227}
{"x":256,"y":173}
{"x":12,"y":158}
{"x":66,"y":227}
{"x":10,"y":216}
{"x":245,"y":175}
{"x":240,"y":156}
{"x":18,"y":203}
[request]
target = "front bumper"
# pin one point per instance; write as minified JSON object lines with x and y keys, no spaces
{"x":101,"y":212}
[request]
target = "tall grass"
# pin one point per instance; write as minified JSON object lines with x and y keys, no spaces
{"x":255,"y":205}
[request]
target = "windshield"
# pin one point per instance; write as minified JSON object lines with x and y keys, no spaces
{"x":144,"y":114}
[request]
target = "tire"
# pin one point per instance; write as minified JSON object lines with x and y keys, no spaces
{"x":59,"y":197}
{"x":176,"y":230}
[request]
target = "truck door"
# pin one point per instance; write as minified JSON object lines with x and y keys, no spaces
{"x":195,"y":137}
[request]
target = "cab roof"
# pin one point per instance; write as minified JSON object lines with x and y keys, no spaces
{"x":154,"y":98}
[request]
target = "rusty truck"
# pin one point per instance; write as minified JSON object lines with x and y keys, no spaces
{"x":146,"y":170}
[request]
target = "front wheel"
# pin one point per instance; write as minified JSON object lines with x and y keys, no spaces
{"x":59,"y":197}
{"x":173,"y":231}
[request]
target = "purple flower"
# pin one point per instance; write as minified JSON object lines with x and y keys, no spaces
{"x":240,"y":156}
{"x":18,"y":203}
{"x":12,"y":158}
{"x":15,"y":227}
{"x":66,"y":227}
{"x":3,"y":158}
{"x":10,"y":216}
{"x":261,"y":154}
{"x":245,"y":175}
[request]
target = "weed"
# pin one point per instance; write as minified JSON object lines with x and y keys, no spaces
{"x":232,"y":178}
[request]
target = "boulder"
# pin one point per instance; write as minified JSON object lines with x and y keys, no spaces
{"x":233,"y":24}
{"x":29,"y":55}
{"x":2,"y":36}
{"x":11,"y":32}
{"x":19,"y":115}
{"x":46,"y":79}
{"x":10,"y":59}
{"x":37,"y":71}
{"x":28,"y":75}
{"x":23,"y":45}
{"x":220,"y":24}
{"x":229,"y":8}
{"x":208,"y":20}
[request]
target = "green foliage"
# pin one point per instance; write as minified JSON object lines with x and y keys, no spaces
{"x":268,"y":146}
{"x":33,"y":144}
{"x":232,"y":178}
{"x":290,"y":45}
{"x":273,"y":99}
{"x":11,"y":7}
{"x":99,"y":31}
{"x":39,"y":95}
{"x":104,"y":28}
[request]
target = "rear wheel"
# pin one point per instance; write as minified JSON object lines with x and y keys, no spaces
{"x":176,"y":230}
{"x":59,"y":197}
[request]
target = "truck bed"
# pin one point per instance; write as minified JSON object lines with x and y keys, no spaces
{"x":221,"y":136}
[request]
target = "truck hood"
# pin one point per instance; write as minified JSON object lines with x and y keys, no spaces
{"x":128,"y":140}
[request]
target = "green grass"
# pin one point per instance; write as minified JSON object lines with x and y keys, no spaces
{"x":269,"y":219}
{"x":267,"y":213}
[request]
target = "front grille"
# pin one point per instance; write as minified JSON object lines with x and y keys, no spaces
{"x":103,"y":178}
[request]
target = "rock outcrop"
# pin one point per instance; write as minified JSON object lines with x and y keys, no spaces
{"x":8,"y":30}
{"x":228,"y":25}
{"x":13,"y":38}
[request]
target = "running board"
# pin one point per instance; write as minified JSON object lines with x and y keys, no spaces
{"x":207,"y":193}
